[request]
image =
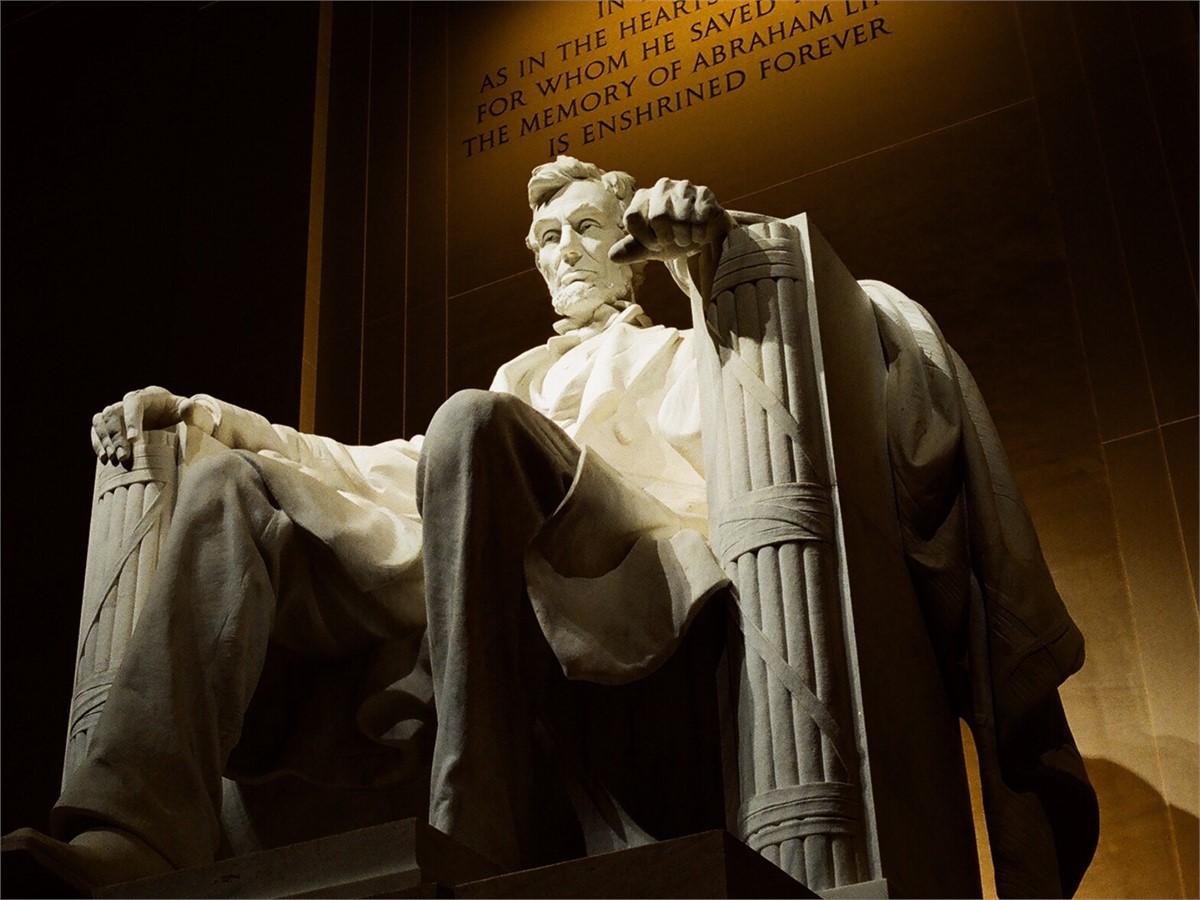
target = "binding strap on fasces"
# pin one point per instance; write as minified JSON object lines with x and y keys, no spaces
{"x":793,"y":511}
{"x":825,"y":807}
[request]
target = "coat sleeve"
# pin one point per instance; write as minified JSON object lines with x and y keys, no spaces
{"x":360,"y":501}
{"x":381,"y":473}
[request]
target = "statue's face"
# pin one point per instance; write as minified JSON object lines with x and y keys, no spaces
{"x":573,"y":233}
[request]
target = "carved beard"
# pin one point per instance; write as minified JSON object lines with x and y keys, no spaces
{"x":581,"y":300}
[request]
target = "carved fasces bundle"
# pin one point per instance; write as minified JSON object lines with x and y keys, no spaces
{"x":131,"y":510}
{"x":772,"y":526}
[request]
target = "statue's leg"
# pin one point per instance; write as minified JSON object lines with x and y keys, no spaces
{"x":235,"y":574}
{"x":492,"y":470}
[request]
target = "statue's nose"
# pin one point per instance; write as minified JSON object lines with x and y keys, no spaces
{"x":570,"y":246}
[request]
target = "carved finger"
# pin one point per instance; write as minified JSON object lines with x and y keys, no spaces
{"x":100,"y":423}
{"x":107,"y":451}
{"x":705,"y":199}
{"x":712,"y":221}
{"x":638,"y":204}
{"x":685,"y":235}
{"x":665,"y":229}
{"x":627,"y":251}
{"x":639,"y":228}
{"x":98,"y":433}
{"x":681,"y":201}
{"x":131,"y":408}
{"x":98,"y":445}
{"x":658,"y":206}
{"x":113,"y":432}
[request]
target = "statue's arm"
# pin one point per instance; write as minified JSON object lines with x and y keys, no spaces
{"x":384,"y":472}
{"x":117,"y":426}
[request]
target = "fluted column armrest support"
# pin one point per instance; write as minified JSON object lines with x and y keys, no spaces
{"x":132,"y":505}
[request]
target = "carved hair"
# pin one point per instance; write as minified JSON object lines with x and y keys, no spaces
{"x":550,"y":178}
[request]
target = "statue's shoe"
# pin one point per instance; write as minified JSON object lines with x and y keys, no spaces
{"x":93,"y":859}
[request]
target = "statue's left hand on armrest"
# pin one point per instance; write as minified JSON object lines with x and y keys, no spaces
{"x":119,"y":424}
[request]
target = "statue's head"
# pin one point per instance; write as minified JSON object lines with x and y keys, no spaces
{"x":578,"y":214}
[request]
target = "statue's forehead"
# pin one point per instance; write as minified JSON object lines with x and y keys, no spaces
{"x":577,"y":197}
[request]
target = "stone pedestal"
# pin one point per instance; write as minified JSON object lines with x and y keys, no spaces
{"x":709,"y":864}
{"x":409,"y":859}
{"x":401,"y":859}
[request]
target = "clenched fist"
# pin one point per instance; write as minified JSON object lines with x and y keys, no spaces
{"x":669,"y":220}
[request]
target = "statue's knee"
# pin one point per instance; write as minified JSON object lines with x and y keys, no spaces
{"x":463,"y":426}
{"x":464,"y":421}
{"x":466,"y":415}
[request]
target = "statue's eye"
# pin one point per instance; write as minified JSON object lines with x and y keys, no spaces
{"x":550,"y":236}
{"x":587,"y":224}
